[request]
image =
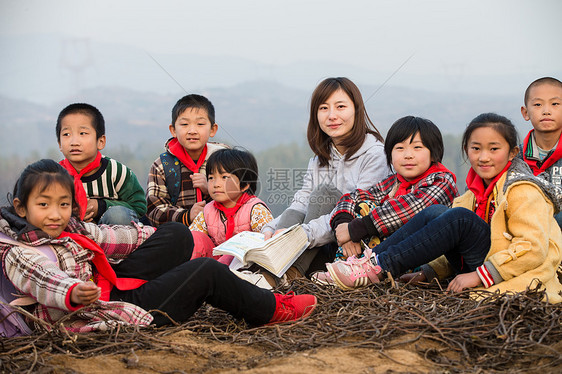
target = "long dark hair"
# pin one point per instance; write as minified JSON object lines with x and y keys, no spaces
{"x":318,"y":140}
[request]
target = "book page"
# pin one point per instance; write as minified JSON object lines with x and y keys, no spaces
{"x":239,"y":245}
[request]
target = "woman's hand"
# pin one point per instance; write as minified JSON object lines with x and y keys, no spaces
{"x":342,"y":234}
{"x":464,"y":281}
{"x":85,"y":293}
{"x":269,"y":234}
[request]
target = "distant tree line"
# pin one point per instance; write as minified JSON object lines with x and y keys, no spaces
{"x":281,"y":167}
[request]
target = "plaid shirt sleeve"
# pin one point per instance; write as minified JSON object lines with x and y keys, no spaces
{"x":348,"y":202}
{"x":36,"y":276}
{"x":436,"y":188}
{"x":119,"y":241}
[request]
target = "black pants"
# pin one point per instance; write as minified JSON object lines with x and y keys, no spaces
{"x":178,"y":286}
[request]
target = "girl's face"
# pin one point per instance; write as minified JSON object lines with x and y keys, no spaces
{"x":336,"y":116}
{"x":411,"y":159}
{"x":224,"y":188}
{"x":488,"y":152}
{"x":48,"y":210}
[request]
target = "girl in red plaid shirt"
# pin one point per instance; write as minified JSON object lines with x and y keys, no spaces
{"x":361,"y":219}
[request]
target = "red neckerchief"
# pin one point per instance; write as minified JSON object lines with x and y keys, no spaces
{"x":230,"y":212}
{"x":105,"y":277}
{"x":547,"y":162}
{"x":482,"y":193}
{"x":405,"y":185}
{"x":79,"y":191}
{"x":180,"y":152}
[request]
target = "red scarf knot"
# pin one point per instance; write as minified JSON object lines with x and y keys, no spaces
{"x":483,"y":194}
{"x":405,"y":185}
{"x":79,"y":191}
{"x":180,"y":152}
{"x":231,"y":212}
{"x":547,"y":162}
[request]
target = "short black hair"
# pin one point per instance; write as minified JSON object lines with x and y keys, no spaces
{"x":408,"y":127}
{"x":538,"y":82}
{"x":86,"y":109}
{"x":193,"y":101}
{"x":238,"y":162}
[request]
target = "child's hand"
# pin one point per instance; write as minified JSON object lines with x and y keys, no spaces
{"x":342,"y":234}
{"x":413,"y":278}
{"x":464,"y":281}
{"x":200,"y":181}
{"x":351,"y":249}
{"x":91,"y":210}
{"x":196,"y":209}
{"x":85,"y":293}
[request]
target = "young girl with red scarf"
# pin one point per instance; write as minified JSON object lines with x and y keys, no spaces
{"x":177,"y":186}
{"x":105,"y":275}
{"x":414,"y":148}
{"x":501,"y":234}
{"x":232,"y":176}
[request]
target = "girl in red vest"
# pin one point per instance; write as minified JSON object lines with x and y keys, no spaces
{"x":232,"y":180}
{"x":114,"y":274}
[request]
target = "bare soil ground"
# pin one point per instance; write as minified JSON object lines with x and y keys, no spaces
{"x":380,"y":329}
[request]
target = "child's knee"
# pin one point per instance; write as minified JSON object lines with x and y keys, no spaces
{"x":118,"y":215}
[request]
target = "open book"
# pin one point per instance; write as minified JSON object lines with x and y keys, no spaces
{"x":276,"y":254}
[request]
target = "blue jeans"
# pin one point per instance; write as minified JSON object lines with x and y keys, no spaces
{"x":457,"y":233}
{"x":118,"y":215}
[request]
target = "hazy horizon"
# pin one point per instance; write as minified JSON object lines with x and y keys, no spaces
{"x":51,"y":50}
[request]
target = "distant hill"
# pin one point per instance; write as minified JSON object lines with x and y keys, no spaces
{"x":256,"y":115}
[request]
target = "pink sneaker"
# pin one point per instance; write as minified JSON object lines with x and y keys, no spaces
{"x":354,"y":272}
{"x":324,"y":278}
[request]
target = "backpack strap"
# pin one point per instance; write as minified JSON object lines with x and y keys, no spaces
{"x":9,"y":292}
{"x":172,"y":171}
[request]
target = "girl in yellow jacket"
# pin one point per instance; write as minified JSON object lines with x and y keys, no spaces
{"x":501,"y":234}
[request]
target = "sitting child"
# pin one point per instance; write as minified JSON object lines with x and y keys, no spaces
{"x":542,"y":148}
{"x":232,"y":177}
{"x":177,"y":186}
{"x":107,"y":191}
{"x":501,"y":234}
{"x":145,"y":268}
{"x":414,"y":147}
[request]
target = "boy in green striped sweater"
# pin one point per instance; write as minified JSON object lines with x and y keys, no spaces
{"x":107,"y":191}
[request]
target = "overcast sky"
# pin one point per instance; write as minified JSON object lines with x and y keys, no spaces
{"x":448,"y":37}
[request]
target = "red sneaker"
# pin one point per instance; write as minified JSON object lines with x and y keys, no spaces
{"x":291,"y":307}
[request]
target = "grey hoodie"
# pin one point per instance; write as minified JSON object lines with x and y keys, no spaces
{"x":364,"y":169}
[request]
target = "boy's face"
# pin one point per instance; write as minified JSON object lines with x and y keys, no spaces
{"x":78,"y":141}
{"x":544,"y":108}
{"x":193,"y":130}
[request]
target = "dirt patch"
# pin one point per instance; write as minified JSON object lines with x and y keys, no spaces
{"x":379,"y":329}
